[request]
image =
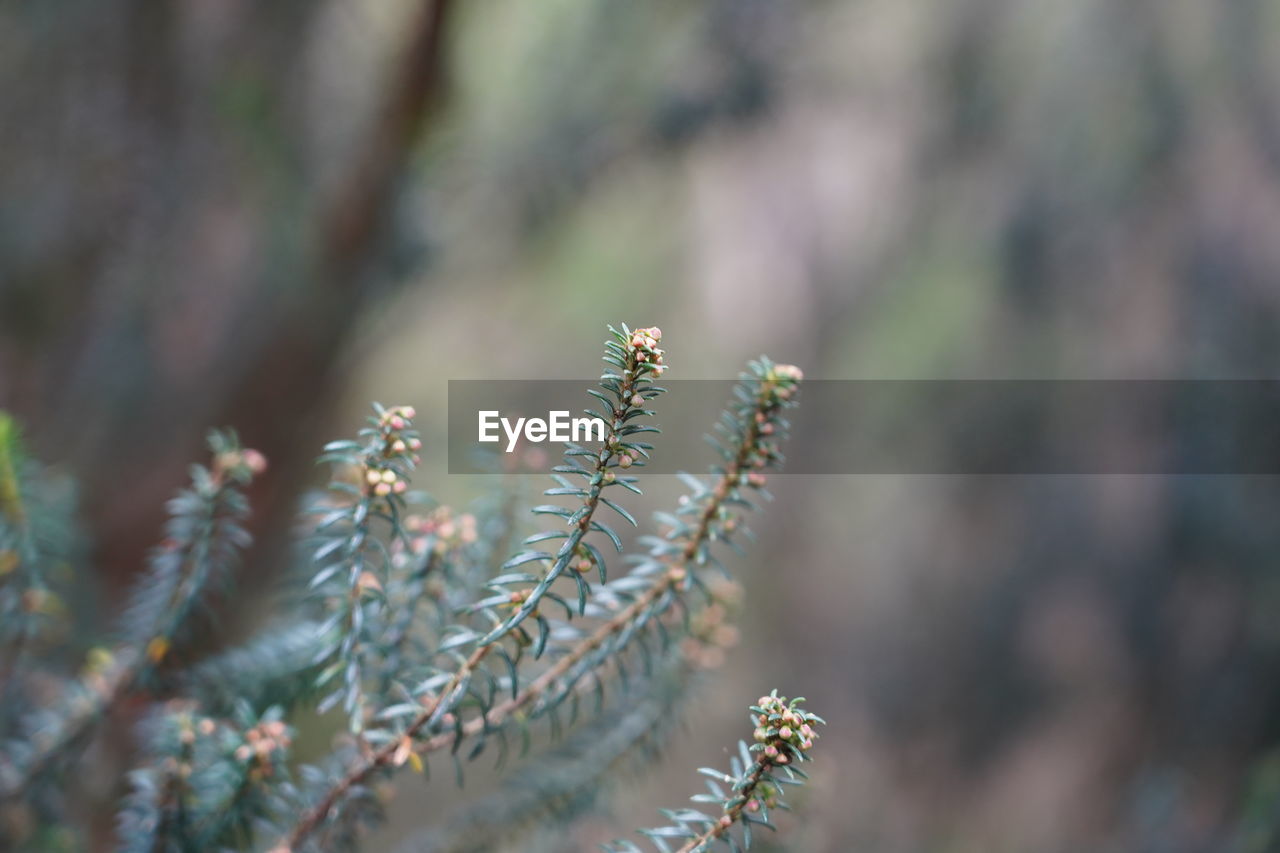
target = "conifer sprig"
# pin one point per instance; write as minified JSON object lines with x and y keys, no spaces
{"x":37,"y":544}
{"x":204,"y":537}
{"x":351,"y":561}
{"x":205,"y":779}
{"x":784,"y":734}
{"x":623,"y":396}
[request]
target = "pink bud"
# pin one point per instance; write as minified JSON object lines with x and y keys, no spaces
{"x":254,"y":461}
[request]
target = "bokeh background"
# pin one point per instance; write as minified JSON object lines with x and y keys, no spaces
{"x":267,"y":214}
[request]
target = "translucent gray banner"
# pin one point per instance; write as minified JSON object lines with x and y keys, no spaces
{"x":949,"y":427}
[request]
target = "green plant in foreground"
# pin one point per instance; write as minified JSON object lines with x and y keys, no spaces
{"x":784,"y":734}
{"x":436,"y":647}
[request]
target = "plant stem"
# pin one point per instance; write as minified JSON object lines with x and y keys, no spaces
{"x":734,"y":812}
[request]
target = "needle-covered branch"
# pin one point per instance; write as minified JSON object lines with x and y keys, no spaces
{"x":784,"y":734}
{"x":204,"y":539}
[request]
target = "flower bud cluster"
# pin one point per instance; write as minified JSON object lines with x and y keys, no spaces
{"x":399,"y":444}
{"x":264,"y":745}
{"x":440,"y":530}
{"x":240,"y":463}
{"x":775,"y":392}
{"x":710,"y":633}
{"x":644,"y":348}
{"x":784,"y":732}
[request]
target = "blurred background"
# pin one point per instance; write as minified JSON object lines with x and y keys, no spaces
{"x":265,"y":215}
